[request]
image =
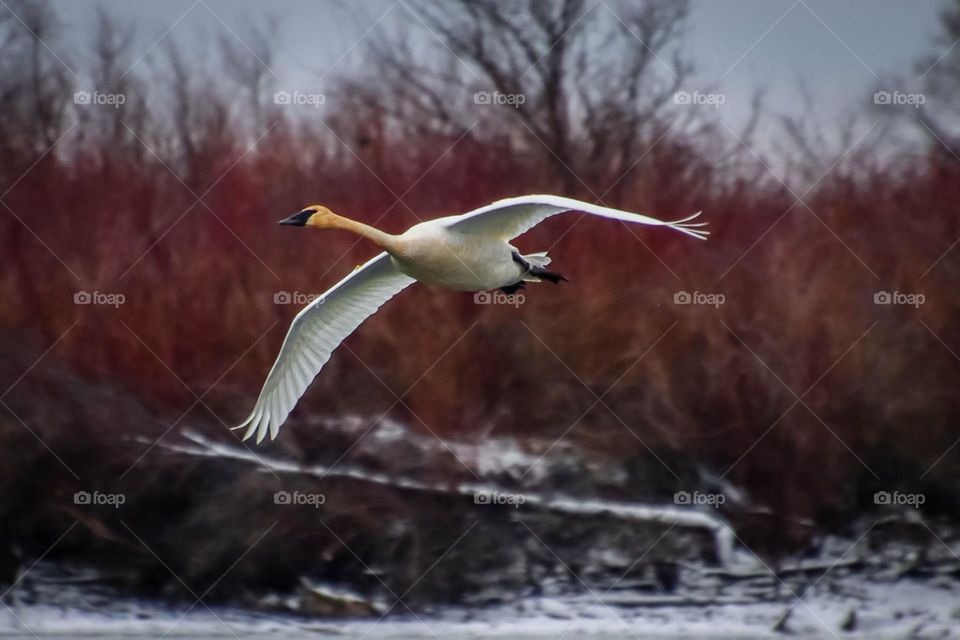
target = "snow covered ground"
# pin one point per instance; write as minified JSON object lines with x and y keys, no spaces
{"x":869,"y":587}
{"x":847,"y":608}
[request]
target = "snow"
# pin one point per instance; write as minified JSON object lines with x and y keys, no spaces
{"x":901,"y":609}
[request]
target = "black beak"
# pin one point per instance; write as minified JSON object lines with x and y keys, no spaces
{"x":298,"y":219}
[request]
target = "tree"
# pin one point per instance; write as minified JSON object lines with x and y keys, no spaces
{"x":583,"y":89}
{"x":34,"y":85}
{"x":940,"y":75}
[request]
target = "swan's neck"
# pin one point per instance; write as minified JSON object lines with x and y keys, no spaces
{"x":385,"y":241}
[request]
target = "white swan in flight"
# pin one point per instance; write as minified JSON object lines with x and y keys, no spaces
{"x":468,"y":252}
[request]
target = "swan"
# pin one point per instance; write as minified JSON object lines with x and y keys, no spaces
{"x":467,"y":252}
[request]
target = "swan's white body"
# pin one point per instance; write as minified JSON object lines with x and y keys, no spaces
{"x":440,"y":256}
{"x":468,"y":252}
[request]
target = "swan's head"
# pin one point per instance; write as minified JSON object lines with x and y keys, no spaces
{"x":313,"y":216}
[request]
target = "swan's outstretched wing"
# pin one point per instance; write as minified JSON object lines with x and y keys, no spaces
{"x":509,"y":218}
{"x":315,"y":332}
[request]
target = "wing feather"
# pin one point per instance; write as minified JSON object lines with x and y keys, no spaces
{"x":510,"y":218}
{"x":314,"y":334}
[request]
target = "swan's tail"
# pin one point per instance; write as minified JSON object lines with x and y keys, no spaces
{"x":540,"y":259}
{"x":537,"y":271}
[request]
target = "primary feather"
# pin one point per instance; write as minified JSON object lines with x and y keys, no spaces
{"x":512,"y":217}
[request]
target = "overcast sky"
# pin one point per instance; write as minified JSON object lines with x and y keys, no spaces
{"x":838,"y":49}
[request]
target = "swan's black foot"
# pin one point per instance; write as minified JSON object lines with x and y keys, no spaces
{"x":545,"y":274}
{"x":513,"y":288}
